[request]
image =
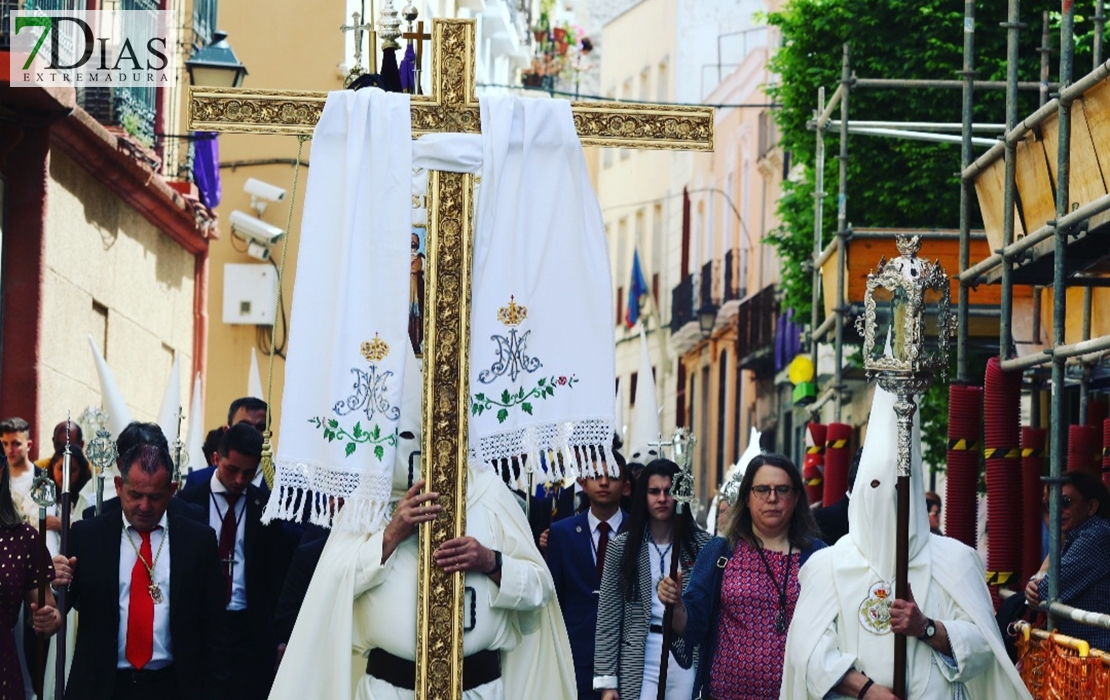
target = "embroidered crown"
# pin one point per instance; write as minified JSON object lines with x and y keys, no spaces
{"x":375,"y":349}
{"x":513,"y":314}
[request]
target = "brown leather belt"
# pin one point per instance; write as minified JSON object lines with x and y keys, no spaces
{"x":478,"y":669}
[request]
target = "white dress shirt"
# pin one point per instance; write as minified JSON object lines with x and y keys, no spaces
{"x":163,"y":645}
{"x":216,"y":522}
{"x":614,"y":527}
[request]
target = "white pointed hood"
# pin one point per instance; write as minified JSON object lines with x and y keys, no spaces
{"x":194,"y":447}
{"x":118,"y":413}
{"x":873,"y":508}
{"x":254,"y":379}
{"x":171,"y":404}
{"x":618,"y":415}
{"x":753,"y":450}
{"x":645,"y":414}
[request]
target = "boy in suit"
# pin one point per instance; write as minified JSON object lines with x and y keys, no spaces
{"x":575,"y":553}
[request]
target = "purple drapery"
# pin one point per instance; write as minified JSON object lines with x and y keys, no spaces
{"x":788,"y":340}
{"x":408,"y":69}
{"x":206,"y":167}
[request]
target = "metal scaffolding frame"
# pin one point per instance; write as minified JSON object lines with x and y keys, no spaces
{"x":1002,"y":262}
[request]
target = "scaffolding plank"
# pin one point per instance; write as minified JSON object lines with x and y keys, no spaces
{"x":1038,"y":196}
{"x":989,"y":188}
{"x":1085,"y":184}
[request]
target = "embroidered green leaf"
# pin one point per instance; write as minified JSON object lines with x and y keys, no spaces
{"x":544,"y":388}
{"x":332,"y":430}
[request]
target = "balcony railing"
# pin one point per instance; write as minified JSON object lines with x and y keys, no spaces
{"x":682,"y":303}
{"x":755,"y":321}
{"x":732,"y":290}
{"x":706,"y":291}
{"x":9,"y":6}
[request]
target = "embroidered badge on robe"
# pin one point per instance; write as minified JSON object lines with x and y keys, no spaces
{"x":874,"y":612}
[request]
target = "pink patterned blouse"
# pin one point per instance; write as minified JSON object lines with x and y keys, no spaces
{"x":747,"y":661}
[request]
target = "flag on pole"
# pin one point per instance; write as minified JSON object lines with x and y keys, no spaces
{"x":637,"y":289}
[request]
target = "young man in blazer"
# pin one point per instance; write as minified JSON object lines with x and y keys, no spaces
{"x":148,"y":586}
{"x":575,"y":554}
{"x":254,"y":559}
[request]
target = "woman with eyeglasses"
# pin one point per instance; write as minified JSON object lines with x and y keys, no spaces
{"x":741,"y":595}
{"x":629,"y":637}
{"x":1084,"y":566}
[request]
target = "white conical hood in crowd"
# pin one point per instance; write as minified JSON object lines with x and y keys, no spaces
{"x":171,"y":404}
{"x":873,"y":508}
{"x":194,"y":446}
{"x":645,"y":413}
{"x":254,"y":379}
{"x":118,"y":413}
{"x":618,"y":416}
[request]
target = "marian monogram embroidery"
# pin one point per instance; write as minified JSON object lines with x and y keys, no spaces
{"x":512,"y":355}
{"x":370,"y":397}
{"x":874,"y":612}
{"x":370,"y":386}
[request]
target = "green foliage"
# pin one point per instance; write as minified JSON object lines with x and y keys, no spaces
{"x":890,"y":182}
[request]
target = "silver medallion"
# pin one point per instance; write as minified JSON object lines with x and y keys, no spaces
{"x":155,"y":593}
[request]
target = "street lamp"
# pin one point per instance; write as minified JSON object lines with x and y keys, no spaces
{"x":906,"y":329}
{"x":707,"y":318}
{"x":216,"y":65}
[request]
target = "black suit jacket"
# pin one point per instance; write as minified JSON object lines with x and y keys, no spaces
{"x":833,"y":520}
{"x":195,"y":598}
{"x":268,"y":550}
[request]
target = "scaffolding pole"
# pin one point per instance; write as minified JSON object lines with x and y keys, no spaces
{"x":968,"y":75}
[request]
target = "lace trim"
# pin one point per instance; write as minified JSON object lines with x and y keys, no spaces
{"x":552,"y":452}
{"x":301,"y":486}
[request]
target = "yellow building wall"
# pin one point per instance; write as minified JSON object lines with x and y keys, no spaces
{"x":287,"y":46}
{"x":98,"y":252}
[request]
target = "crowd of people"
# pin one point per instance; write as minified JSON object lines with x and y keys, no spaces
{"x":187,"y":594}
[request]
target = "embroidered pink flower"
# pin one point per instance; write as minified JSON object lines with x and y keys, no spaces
{"x":562,"y":381}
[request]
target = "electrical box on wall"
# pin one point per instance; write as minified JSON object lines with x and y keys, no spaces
{"x":250,"y":293}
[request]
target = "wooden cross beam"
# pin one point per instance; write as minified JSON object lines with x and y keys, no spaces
{"x":451,"y":107}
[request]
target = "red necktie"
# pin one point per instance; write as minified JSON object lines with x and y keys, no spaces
{"x":602,"y":545}
{"x":227,"y":541}
{"x":140,"y":611}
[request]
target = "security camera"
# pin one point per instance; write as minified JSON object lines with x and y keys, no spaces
{"x":254,"y":229}
{"x":260,"y":192}
{"x":258,"y":188}
{"x":258,"y":251}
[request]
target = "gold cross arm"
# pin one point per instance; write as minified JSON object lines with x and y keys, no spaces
{"x":291,"y":112}
{"x":451,"y":107}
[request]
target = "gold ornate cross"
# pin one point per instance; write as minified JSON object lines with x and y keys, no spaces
{"x":451,"y":107}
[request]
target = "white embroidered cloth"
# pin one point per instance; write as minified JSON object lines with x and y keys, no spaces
{"x":541,"y":351}
{"x":348,"y":326}
{"x":542,"y":362}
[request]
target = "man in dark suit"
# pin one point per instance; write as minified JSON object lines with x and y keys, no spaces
{"x":832,"y":520}
{"x":575,"y":553}
{"x":150,"y":603}
{"x":254,"y":559}
{"x":245,"y":410}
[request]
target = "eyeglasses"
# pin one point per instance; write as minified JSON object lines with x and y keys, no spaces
{"x":763,"y":491}
{"x":1065,"y":502}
